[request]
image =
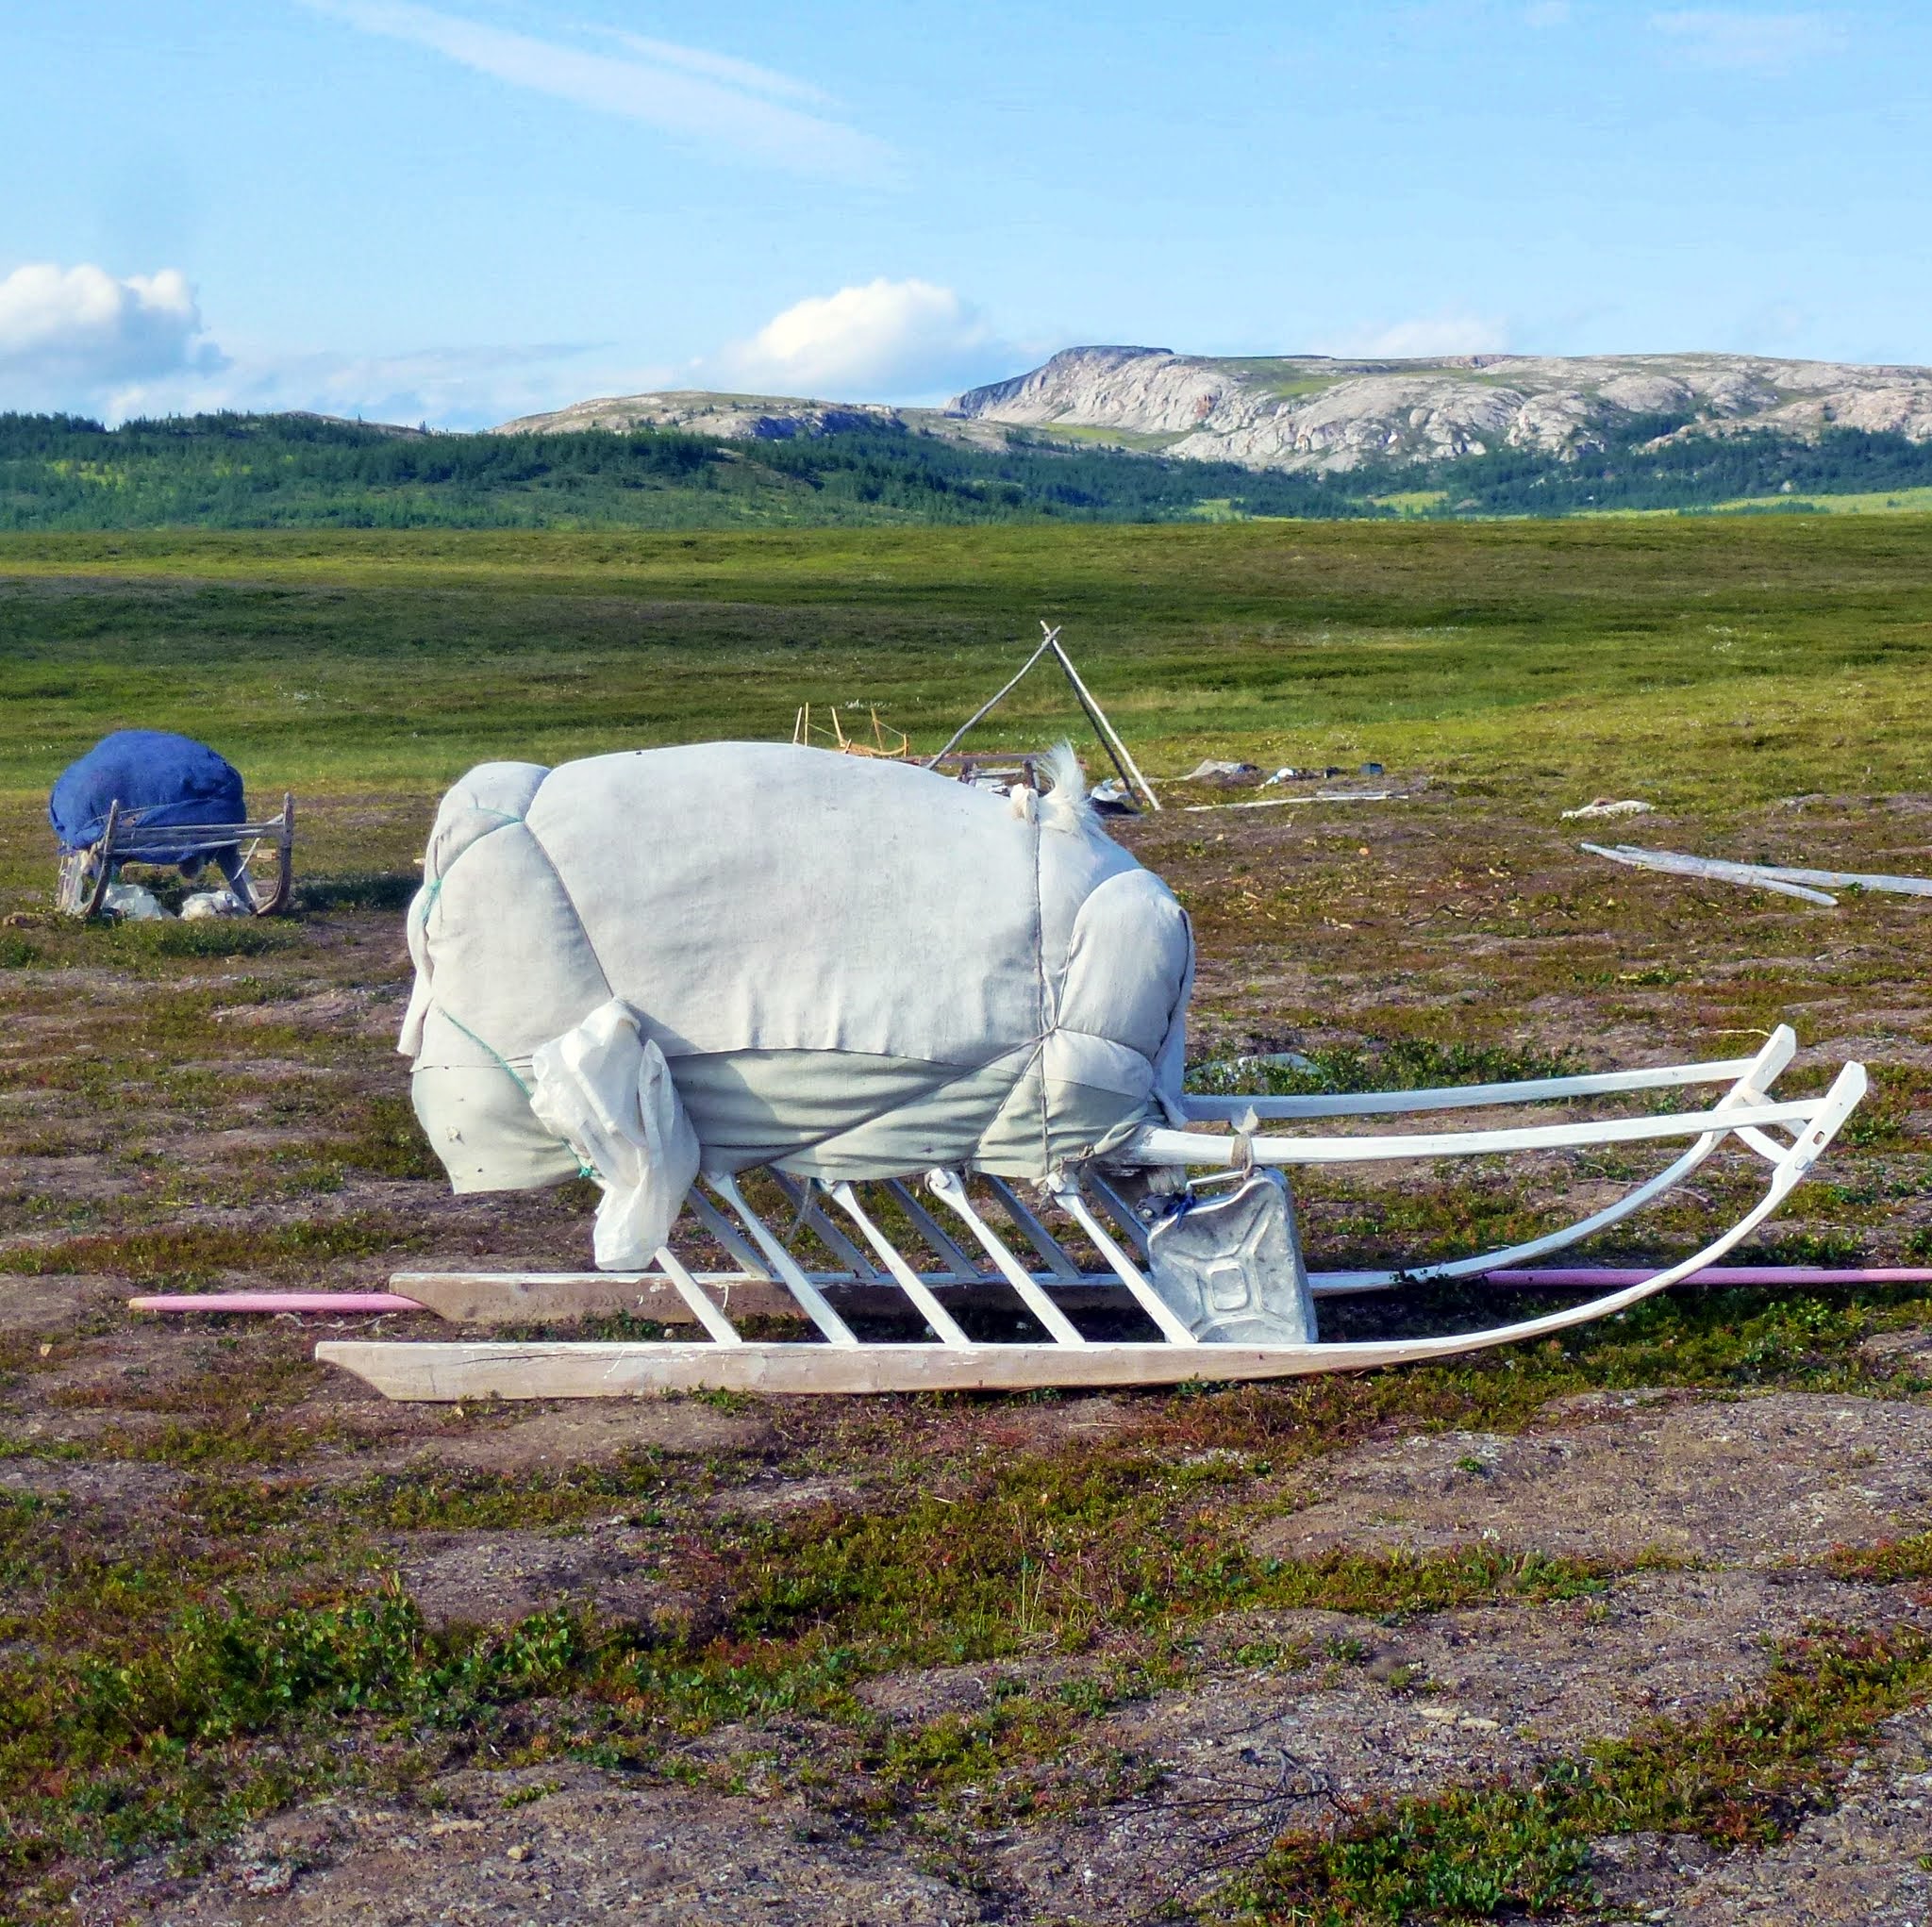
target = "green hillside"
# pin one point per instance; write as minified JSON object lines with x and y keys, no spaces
{"x":58,"y":473}
{"x":238,"y":472}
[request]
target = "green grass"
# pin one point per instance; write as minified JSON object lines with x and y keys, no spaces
{"x":1871,"y":502}
{"x":1141,"y":440}
{"x":1708,"y":661}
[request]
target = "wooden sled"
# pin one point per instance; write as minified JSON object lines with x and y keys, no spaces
{"x":86,"y":872}
{"x":1132,"y":1210}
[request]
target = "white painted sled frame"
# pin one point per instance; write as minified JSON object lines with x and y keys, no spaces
{"x":771,"y":1277}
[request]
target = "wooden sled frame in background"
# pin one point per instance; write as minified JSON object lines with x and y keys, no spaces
{"x":86,"y":872}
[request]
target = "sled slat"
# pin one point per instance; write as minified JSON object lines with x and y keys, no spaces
{"x":1122,"y":1213}
{"x":1228,"y":1110}
{"x":726,"y":1233}
{"x":1033,"y":1230}
{"x":811,"y":1215}
{"x":910,"y":1282}
{"x":720,"y":1328}
{"x":816,"y":1307}
{"x":932,"y":1231}
{"x":1144,"y":1294}
{"x":947,"y":1187}
{"x":1157,"y":1145}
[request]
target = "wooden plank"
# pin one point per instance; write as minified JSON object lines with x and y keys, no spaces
{"x":1669,"y":864}
{"x":504,"y":1298}
{"x":535,"y":1298}
{"x":444,"y":1373}
{"x":450,"y":1373}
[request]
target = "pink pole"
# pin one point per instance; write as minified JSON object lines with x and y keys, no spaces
{"x":1610,"y":1278}
{"x":357,"y":1303}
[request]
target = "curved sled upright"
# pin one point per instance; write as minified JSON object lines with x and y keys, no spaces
{"x":940,"y":1034}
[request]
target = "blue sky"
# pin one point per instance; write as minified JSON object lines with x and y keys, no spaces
{"x":465,"y":209}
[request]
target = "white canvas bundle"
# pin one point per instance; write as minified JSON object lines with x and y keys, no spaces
{"x":851,"y":967}
{"x":606,"y":1090}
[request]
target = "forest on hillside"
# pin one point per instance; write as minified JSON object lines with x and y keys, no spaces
{"x":235,"y":471}
{"x":293,"y":470}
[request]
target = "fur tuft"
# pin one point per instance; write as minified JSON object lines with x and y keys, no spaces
{"x":1065,"y":806}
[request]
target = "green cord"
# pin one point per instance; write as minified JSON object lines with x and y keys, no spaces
{"x":508,"y":1068}
{"x":585,"y":1169}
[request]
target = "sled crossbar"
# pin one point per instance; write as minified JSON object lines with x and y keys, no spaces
{"x":86,"y":871}
{"x":840,"y":1361}
{"x":1230,"y":1110}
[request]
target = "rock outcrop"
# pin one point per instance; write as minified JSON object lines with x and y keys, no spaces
{"x":1314,"y":413}
{"x":1311,"y":413}
{"x":734,"y":418}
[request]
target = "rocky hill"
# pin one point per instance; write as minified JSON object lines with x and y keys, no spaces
{"x":747,"y":418}
{"x":1316,"y":413}
{"x":1313,"y":413}
{"x":734,"y":418}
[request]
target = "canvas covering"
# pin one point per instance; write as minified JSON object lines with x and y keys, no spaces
{"x":165,"y":778}
{"x":852,"y":967}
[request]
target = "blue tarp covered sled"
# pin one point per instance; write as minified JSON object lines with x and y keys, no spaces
{"x":151,"y":796}
{"x":160,"y":779}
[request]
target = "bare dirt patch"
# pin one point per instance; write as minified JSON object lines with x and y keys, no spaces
{"x":557,"y":1846}
{"x":1760,"y":1481}
{"x":497,"y":1578}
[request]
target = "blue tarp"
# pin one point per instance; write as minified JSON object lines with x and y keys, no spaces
{"x":168,"y":778}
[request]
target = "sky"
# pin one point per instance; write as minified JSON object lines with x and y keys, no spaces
{"x":457,"y":211}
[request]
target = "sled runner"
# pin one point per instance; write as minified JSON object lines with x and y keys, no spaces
{"x":962,"y":1098}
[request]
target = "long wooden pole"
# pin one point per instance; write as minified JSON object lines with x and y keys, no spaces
{"x":1130,"y":774}
{"x":987,"y":708}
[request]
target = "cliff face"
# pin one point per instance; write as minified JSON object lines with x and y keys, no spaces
{"x":1312,"y":412}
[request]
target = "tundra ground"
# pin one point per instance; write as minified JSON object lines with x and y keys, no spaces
{"x":1635,"y":1625}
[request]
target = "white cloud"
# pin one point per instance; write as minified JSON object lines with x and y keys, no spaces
{"x":887,"y":340}
{"x":709,"y":99}
{"x":1435,"y":334}
{"x":733,"y":73}
{"x":1748,"y":43}
{"x":69,"y":335}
